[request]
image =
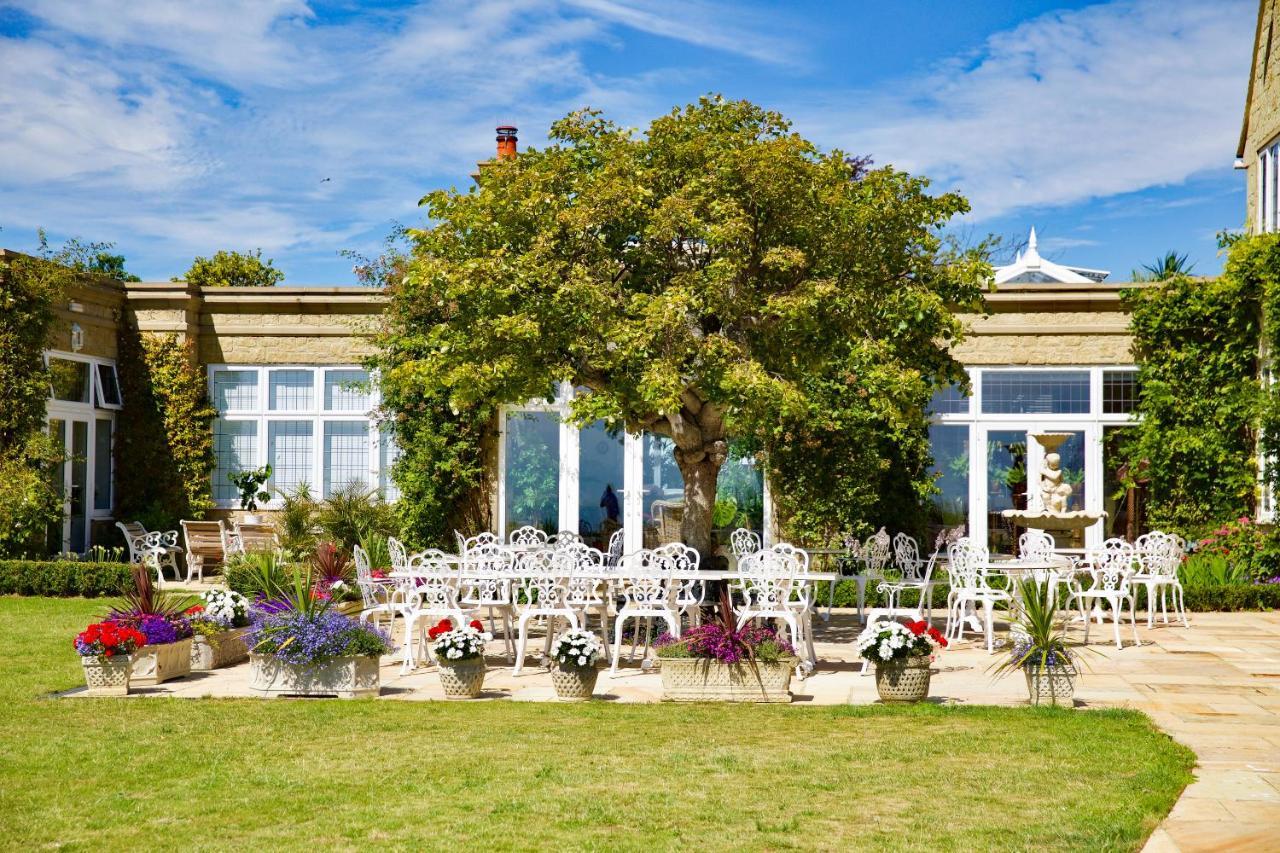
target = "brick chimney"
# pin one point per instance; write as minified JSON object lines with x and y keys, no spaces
{"x":506,"y":142}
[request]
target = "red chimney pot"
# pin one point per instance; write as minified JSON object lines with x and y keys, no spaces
{"x":506,"y":141}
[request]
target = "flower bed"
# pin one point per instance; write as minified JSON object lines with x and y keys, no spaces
{"x":314,"y":651}
{"x":105,"y":650}
{"x":220,"y":623}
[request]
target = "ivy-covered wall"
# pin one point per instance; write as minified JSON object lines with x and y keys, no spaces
{"x":164,"y":436}
{"x":1197,"y":344}
{"x":29,"y":501}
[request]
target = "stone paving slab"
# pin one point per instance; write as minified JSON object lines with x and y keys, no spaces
{"x":1214,"y":687}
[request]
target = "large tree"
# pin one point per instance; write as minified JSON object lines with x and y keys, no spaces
{"x":715,"y":277}
{"x":233,"y":269}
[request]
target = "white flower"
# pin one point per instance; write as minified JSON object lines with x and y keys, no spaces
{"x":885,"y":651}
{"x":582,"y":661}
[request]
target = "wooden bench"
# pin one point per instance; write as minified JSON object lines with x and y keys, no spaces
{"x":206,"y":546}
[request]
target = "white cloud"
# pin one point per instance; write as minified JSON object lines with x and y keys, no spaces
{"x":1065,"y":107}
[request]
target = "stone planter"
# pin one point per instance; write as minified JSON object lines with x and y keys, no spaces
{"x":107,"y":676}
{"x":350,"y":608}
{"x":706,"y":680}
{"x":905,"y":680}
{"x":1051,"y":685}
{"x":158,"y":664}
{"x":220,"y":650}
{"x":463,"y":680}
{"x":574,"y":683}
{"x":346,"y":678}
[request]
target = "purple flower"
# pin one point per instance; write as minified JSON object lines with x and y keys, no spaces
{"x":725,"y":645}
{"x":158,"y":629}
{"x":297,"y":638}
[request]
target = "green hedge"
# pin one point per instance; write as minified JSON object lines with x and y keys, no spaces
{"x":1231,"y":597}
{"x":64,"y":578}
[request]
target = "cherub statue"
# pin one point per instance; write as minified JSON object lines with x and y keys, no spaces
{"x":1055,"y":495}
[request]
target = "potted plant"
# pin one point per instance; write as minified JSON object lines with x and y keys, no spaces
{"x":299,"y":646}
{"x":249,"y":484}
{"x":459,"y":652}
{"x":334,"y":578}
{"x":902,"y":655}
{"x":573,"y":670}
{"x":105,"y":649}
{"x":1040,"y":651}
{"x":158,"y":615}
{"x":219,"y":624}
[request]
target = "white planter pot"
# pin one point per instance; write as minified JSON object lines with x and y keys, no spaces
{"x":1051,"y":685}
{"x":220,"y":650}
{"x":705,"y":680}
{"x":107,"y":676}
{"x":346,"y":678}
{"x":158,"y":664}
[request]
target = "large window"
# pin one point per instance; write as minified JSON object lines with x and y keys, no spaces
{"x":532,"y":470}
{"x":1035,"y":392}
{"x":313,"y":424}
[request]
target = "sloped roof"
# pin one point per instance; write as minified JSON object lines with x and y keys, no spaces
{"x":1029,"y":268}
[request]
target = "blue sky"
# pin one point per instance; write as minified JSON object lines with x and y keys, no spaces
{"x":179,"y":129}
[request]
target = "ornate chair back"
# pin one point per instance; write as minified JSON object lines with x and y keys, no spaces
{"x":906,"y":557}
{"x":966,"y":561}
{"x":875,"y":552}
{"x":528,"y":536}
{"x":399,"y":554}
{"x":743,"y":542}
{"x":617,"y":541}
{"x":1036,"y":545}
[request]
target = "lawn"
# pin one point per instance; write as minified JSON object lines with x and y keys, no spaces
{"x":165,"y":773}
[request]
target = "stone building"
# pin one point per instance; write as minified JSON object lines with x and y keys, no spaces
{"x":1259,"y":149}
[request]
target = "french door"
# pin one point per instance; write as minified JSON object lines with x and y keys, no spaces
{"x":1005,"y":466}
{"x":83,"y":478}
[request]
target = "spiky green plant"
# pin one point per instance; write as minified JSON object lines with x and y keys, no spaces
{"x":296,"y":524}
{"x":1037,"y":641}
{"x":375,"y":545}
{"x":1168,"y":266}
{"x":144,"y":599}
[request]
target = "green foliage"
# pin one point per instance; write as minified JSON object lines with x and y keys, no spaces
{"x":376,"y":546}
{"x":1038,"y":643}
{"x":95,"y":258}
{"x":715,"y":278}
{"x":1196,"y":345}
{"x":233,"y":269}
{"x":1238,"y":551}
{"x":258,"y":573}
{"x":30,"y":500}
{"x":164,"y":435}
{"x":1232,"y":597}
{"x":1170,"y":265}
{"x":64,"y":578}
{"x":296,"y":521}
{"x":353,"y":511}
{"x":389,"y":266}
{"x":249,"y":485}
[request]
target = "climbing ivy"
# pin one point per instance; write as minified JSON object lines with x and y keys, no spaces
{"x":1197,"y":345}
{"x":164,"y":436}
{"x":29,"y":501}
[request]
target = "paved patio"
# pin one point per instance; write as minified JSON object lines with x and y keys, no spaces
{"x":1215,"y":687}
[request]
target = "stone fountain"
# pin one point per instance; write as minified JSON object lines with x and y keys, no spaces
{"x":1049,"y":497}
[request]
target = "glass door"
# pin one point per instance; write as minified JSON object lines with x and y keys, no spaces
{"x":1006,"y":486}
{"x":71,"y":438}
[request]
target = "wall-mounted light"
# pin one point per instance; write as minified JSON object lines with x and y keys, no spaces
{"x":76,"y":307}
{"x":1239,"y":164}
{"x":77,"y":337}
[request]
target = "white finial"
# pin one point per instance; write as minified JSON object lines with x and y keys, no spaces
{"x":1031,"y":242}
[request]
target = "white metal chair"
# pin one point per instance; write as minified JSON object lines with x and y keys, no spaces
{"x":874,"y":555}
{"x":682,"y":561}
{"x":587,"y":590}
{"x":376,"y":597}
{"x":544,"y":582}
{"x":159,"y":550}
{"x":488,"y":576}
{"x":527,"y":537}
{"x":649,"y":592}
{"x":1112,"y":569}
{"x":913,"y":573}
{"x":769,"y":581}
{"x":743,"y":542}
{"x":1036,"y":545}
{"x":617,"y":541}
{"x":1159,"y":555}
{"x":427,"y":595}
{"x":563,"y":540}
{"x":966,"y":568}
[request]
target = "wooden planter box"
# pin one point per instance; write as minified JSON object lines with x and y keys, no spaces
{"x":705,"y":680}
{"x":218,"y":651}
{"x":158,"y":664}
{"x":346,"y":678}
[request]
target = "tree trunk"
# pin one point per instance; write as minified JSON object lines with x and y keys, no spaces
{"x":700,"y":469}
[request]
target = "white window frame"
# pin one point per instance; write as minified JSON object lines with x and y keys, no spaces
{"x":316,"y":414}
{"x":632,"y":490}
{"x":92,"y":412}
{"x":1091,"y":423}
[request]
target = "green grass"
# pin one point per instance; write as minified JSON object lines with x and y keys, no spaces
{"x":316,"y":774}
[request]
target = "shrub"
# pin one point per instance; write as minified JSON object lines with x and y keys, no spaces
{"x":1236,"y":552}
{"x":354,"y":511}
{"x":1232,"y":597}
{"x":64,"y":578}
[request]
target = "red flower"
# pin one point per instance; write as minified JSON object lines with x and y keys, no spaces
{"x":917,"y":628}
{"x":444,"y":626}
{"x":193,"y":610}
{"x":477,"y":624}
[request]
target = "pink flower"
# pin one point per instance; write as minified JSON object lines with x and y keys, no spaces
{"x":1244,"y":519}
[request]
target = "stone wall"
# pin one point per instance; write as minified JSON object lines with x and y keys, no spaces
{"x":95,"y":308}
{"x":1262,"y":123}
